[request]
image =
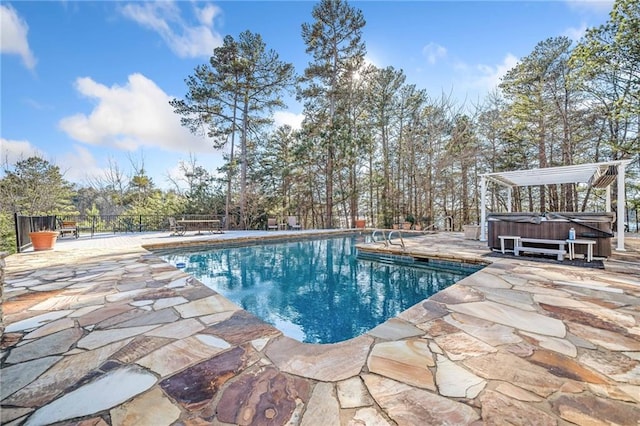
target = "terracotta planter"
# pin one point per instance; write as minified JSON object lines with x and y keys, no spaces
{"x":43,"y":240}
{"x":360,"y":223}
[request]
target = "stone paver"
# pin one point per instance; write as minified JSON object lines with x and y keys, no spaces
{"x":407,"y":361}
{"x":454,"y":380}
{"x":102,"y":332}
{"x":408,"y":405}
{"x":263,"y":397}
{"x":152,"y":408}
{"x":352,"y":393}
{"x":323,"y":407}
{"x":109,"y":390}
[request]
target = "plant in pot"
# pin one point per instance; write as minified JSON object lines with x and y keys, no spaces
{"x":409,"y":221}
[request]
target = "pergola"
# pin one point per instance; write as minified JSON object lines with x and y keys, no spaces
{"x":598,"y":175}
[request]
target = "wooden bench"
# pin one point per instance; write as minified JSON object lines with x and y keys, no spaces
{"x":68,"y":227}
{"x":200,"y":225}
{"x":559,"y":252}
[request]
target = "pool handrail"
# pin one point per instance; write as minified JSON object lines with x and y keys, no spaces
{"x":386,"y":237}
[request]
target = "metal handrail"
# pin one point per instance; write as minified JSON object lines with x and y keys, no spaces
{"x":448,"y":223}
{"x":384,"y":238}
{"x":400,"y":236}
{"x":432,"y":227}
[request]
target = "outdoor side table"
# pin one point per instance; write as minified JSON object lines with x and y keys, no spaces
{"x":515,"y":238}
{"x":588,"y":243}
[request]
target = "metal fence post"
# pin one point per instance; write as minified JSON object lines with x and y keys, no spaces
{"x":15,"y":225}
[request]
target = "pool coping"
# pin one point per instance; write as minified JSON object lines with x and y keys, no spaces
{"x":413,"y":357}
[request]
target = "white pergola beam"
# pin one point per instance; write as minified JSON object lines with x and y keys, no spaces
{"x":581,"y":173}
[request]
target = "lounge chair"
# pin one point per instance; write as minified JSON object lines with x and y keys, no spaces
{"x":67,"y":227}
{"x":292,"y":221}
{"x":175,"y":228}
{"x":272,"y":223}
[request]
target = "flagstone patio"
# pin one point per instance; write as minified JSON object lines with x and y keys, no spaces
{"x":102,"y":332}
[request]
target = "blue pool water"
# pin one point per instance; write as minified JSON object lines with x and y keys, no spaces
{"x":316,"y":291}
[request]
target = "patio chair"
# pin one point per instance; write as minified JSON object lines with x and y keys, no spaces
{"x":272,"y":223}
{"x":292,"y":221}
{"x":175,"y":228}
{"x":67,"y":227}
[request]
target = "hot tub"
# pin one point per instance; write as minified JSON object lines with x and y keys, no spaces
{"x":554,"y":226}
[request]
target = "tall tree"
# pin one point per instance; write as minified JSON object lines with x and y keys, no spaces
{"x":384,"y":107}
{"x":279,"y":171}
{"x":357,"y":137}
{"x":235,"y":92}
{"x":411,"y":102}
{"x":334,"y":40}
{"x":608,"y":63}
{"x":463,"y":151}
{"x":528,"y":86}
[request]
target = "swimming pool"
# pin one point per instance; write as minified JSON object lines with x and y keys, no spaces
{"x":318,"y":290}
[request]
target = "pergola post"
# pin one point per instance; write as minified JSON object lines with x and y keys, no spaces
{"x":620,"y":215}
{"x":483,"y":208}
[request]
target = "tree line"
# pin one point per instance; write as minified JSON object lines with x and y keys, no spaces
{"x":374,"y":146}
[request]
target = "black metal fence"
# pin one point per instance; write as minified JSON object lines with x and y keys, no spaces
{"x":92,"y":224}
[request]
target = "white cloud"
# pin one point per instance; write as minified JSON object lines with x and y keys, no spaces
{"x":80,"y":165}
{"x":488,"y":76}
{"x":469,"y":81}
{"x":165,"y":18}
{"x":284,"y":117}
{"x":433,"y":52}
{"x":576,"y":34}
{"x":127,"y":117}
{"x":12,"y":151}
{"x":207,"y":14}
{"x":13,"y":37}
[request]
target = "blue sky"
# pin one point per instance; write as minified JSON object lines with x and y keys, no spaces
{"x":88,"y":83}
